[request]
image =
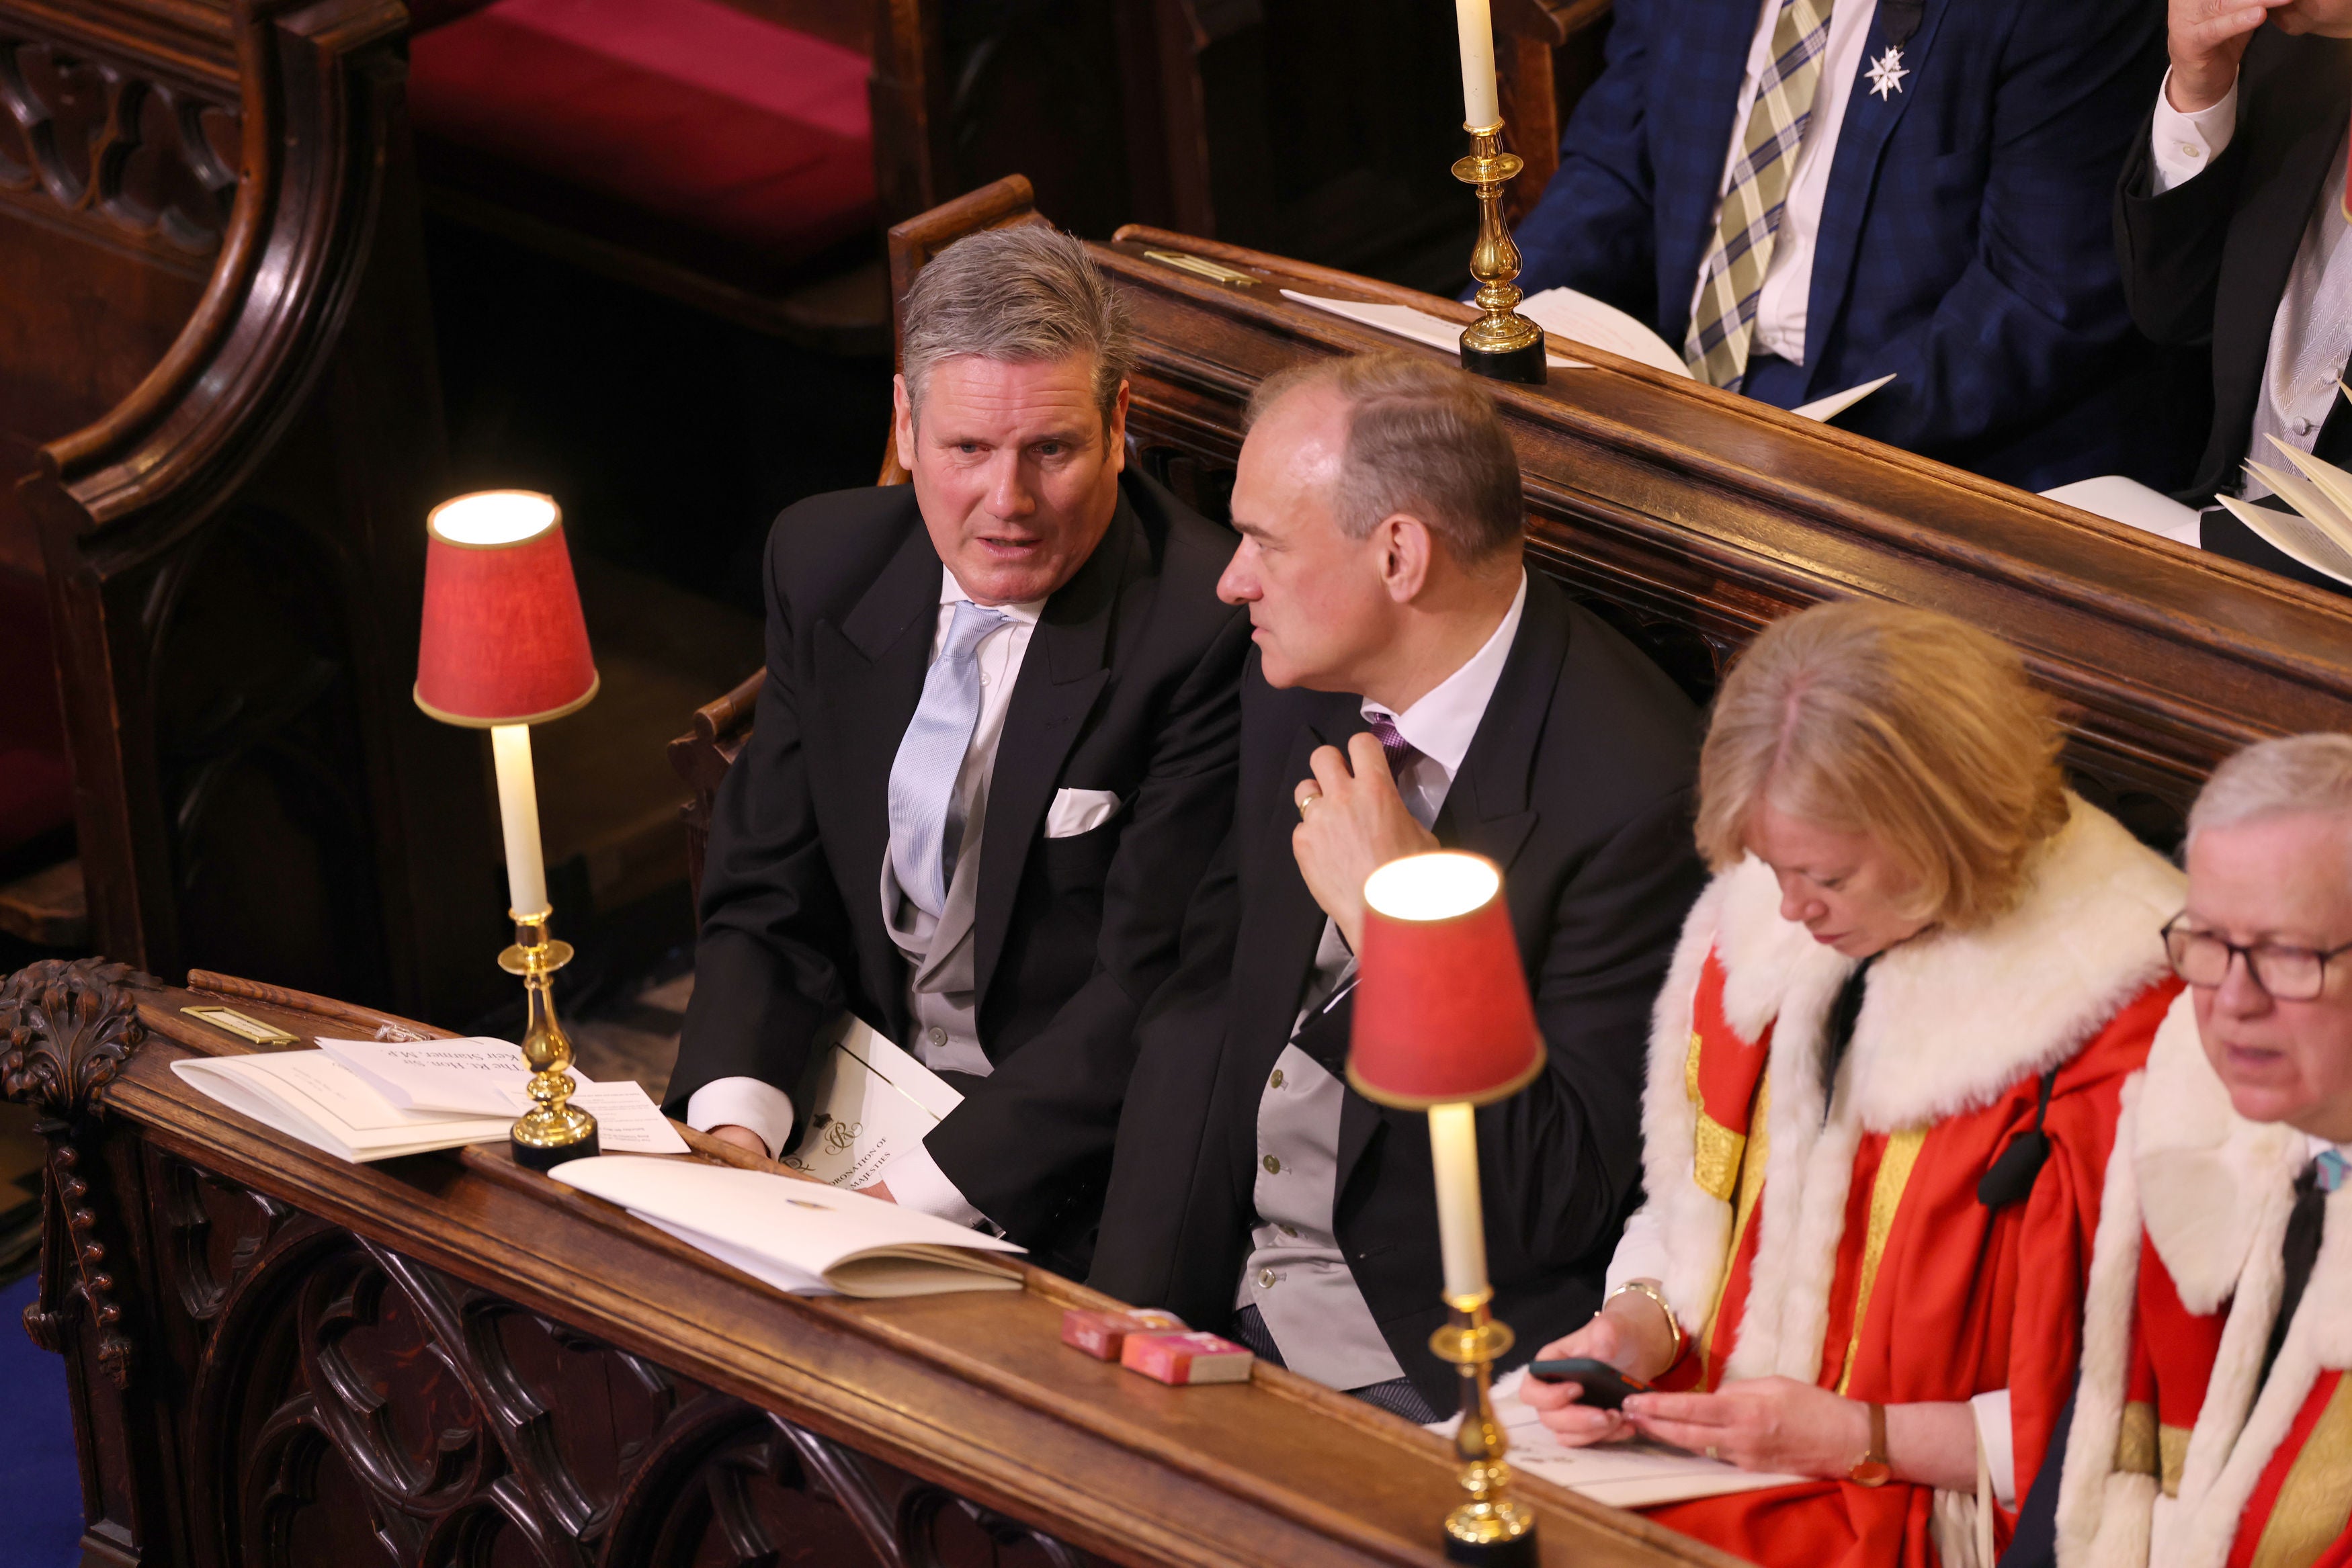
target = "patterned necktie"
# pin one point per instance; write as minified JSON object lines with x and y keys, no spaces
{"x":1401,"y":753}
{"x":924,"y":830}
{"x":1733,"y":273}
{"x":2323,"y":1176}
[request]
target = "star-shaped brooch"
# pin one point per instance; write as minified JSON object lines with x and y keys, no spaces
{"x":1886,"y":72}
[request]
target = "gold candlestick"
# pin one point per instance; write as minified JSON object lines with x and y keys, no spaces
{"x":1501,"y":344}
{"x":1491,"y":1528}
{"x":553,"y":1130}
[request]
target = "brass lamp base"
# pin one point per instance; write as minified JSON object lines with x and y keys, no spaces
{"x":1491,"y":1528}
{"x":1501,"y":344}
{"x":553,"y":1130}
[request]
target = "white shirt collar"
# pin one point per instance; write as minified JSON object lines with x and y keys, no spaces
{"x":952,"y":592}
{"x":1442,"y":725}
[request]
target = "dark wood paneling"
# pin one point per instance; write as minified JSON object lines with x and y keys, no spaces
{"x":279,"y":1358}
{"x":229,"y":355}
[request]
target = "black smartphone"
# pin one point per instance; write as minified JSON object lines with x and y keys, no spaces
{"x":1605,"y":1386}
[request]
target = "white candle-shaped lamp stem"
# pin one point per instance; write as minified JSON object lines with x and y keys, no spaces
{"x":519,"y":818}
{"x":1461,"y":1222}
{"x":1475,"y":20}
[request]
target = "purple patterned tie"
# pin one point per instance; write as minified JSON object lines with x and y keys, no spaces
{"x":1401,"y":753}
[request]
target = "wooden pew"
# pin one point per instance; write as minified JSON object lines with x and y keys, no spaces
{"x":276,"y":1357}
{"x":1689,"y":517}
{"x":213,"y":309}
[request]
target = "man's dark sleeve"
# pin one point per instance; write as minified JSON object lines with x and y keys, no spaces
{"x":1168,"y":1128}
{"x":768,"y":966}
{"x":1030,"y":1145}
{"x":1595,"y":226}
{"x":2169,"y":246}
{"x":1560,"y":1162}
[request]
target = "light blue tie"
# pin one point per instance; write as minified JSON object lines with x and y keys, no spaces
{"x":923,"y":837}
{"x":2332,"y":1168}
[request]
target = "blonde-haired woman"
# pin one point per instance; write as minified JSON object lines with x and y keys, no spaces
{"x":1883,"y":1086}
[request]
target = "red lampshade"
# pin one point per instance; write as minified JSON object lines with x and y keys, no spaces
{"x":1442,"y":1013}
{"x":504,"y":640}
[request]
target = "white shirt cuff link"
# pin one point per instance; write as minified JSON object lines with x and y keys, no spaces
{"x":745,"y":1102}
{"x":1999,"y":1444}
{"x":916,"y":1181}
{"x":2186,"y":145}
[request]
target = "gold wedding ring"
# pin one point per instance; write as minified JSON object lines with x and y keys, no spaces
{"x":1307,"y":800}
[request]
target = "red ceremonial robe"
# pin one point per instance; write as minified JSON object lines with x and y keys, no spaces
{"x":1849,"y":1248}
{"x":2182,"y":1455}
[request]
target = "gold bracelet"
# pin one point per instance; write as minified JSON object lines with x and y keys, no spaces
{"x":1674,"y":1324}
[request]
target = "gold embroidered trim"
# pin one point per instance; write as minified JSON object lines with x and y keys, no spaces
{"x":1690,"y":1068}
{"x":2135,"y":1440}
{"x":1715,"y":1158}
{"x":1751,"y":1187}
{"x":1885,"y":1196}
{"x":2172,"y":1451}
{"x":2315,"y":1502}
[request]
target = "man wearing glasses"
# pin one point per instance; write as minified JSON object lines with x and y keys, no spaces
{"x":2213,"y":1422}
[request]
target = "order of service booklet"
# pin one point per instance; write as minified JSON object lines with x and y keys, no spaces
{"x":800,"y":1237}
{"x":363,"y":1100}
{"x":868,"y":1101}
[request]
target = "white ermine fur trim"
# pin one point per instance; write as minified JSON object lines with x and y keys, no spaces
{"x":1951,"y":1021}
{"x":2214,"y":1192}
{"x":2205,"y":1173}
{"x":2088,"y":1481}
{"x":1954,"y":1019}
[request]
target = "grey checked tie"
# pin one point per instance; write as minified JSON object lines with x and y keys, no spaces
{"x":924,"y":833}
{"x":1732,"y":274}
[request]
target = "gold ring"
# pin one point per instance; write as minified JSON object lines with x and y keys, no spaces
{"x":1307,"y":800}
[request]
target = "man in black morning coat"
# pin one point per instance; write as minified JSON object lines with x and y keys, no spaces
{"x":1252,"y":1191}
{"x":994,"y":749}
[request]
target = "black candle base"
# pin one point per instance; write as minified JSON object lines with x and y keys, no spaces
{"x":1524,"y":365}
{"x":1519,"y":1551}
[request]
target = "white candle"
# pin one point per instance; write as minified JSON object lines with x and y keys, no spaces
{"x":1476,"y":23}
{"x":518,"y":816}
{"x":1461,"y":1224}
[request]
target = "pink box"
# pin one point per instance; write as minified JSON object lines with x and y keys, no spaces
{"x":1179,"y":1359}
{"x":1102,"y":1334}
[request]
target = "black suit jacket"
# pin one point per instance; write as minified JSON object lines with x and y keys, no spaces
{"x":1128,"y":684}
{"x":1579,"y":783}
{"x":2206,"y":262}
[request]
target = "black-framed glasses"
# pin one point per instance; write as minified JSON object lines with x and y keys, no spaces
{"x":2287,"y":974}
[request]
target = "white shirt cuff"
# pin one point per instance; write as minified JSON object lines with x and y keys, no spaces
{"x":2186,"y":145}
{"x":1999,"y":1444}
{"x":1640,"y":1251}
{"x":746,"y":1103}
{"x":915,"y":1182}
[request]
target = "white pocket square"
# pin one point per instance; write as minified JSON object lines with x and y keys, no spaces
{"x":1076,"y":812}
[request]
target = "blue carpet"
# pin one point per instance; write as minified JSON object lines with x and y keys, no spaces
{"x":40,"y":1485}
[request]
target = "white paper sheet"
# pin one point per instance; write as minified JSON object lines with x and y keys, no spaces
{"x":2297,"y":536}
{"x":1405,"y":321}
{"x":868,"y":1102}
{"x":1577,"y":317}
{"x":2122,"y":500}
{"x":1622,"y":1475}
{"x":627,"y":1120}
{"x":1830,"y":407}
{"x":476,"y":1076}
